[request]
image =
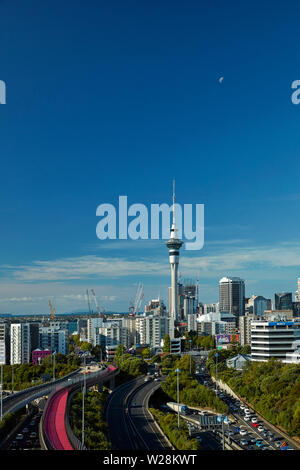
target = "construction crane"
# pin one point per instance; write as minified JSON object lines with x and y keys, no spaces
{"x":96,"y":303}
{"x":88,"y":299}
{"x":138,"y":298}
{"x":139,"y":303}
{"x":52,"y":310}
{"x":131,"y":308}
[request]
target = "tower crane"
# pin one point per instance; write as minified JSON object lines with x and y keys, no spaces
{"x":96,"y":303}
{"x":88,"y":299}
{"x":138,"y":298}
{"x":52,"y":310}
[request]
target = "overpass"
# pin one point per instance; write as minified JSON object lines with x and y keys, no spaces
{"x":18,"y":400}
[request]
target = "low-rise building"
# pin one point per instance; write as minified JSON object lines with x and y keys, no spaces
{"x":239,"y":361}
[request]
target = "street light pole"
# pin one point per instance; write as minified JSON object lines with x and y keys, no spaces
{"x":217,"y":373}
{"x":178,"y":370}
{"x":53,"y":354}
{"x":190,"y":357}
{"x":221,"y":419}
{"x":83,"y":398}
{"x":12,"y":378}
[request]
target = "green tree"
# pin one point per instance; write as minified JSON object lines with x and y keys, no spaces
{"x":167,"y":343}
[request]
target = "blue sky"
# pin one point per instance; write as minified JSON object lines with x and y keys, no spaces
{"x":118,"y":98}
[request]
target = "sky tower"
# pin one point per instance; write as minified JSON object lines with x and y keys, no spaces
{"x":174,"y":244}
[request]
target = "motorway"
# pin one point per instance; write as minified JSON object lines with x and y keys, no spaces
{"x":149,"y":436}
{"x":243,"y":432}
{"x":131,"y":426}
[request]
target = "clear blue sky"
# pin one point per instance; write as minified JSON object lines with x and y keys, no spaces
{"x":113,"y":98}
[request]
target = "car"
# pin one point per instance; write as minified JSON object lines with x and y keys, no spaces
{"x":254,"y":420}
{"x":19,"y":437}
{"x":265,"y":433}
{"x":243,"y":432}
{"x":259,"y":443}
{"x":255,"y":425}
{"x":199,"y":439}
{"x":237,"y":429}
{"x":277,"y":443}
{"x":25,"y":430}
{"x":242,"y":406}
{"x":247,"y":418}
{"x":246,"y":411}
{"x":252,"y":440}
{"x":244,"y":442}
{"x":260,"y":428}
{"x":271,"y":437}
{"x":32,"y":435}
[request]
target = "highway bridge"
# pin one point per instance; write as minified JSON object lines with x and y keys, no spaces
{"x":18,"y":400}
{"x":55,"y":431}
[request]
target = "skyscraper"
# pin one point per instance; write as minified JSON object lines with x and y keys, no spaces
{"x":231,"y":296}
{"x":297,"y":293}
{"x":283,"y":301}
{"x":174,"y":244}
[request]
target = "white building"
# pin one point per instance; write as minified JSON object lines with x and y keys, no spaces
{"x":109,"y":334}
{"x":92,"y":324}
{"x":211,"y":308}
{"x":20,"y":343}
{"x":150,"y":330}
{"x":4,"y":346}
{"x":245,"y":329}
{"x":273,"y":339}
{"x":192,"y":322}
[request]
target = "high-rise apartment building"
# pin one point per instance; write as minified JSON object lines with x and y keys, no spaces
{"x":23,"y":340}
{"x":150,"y":330}
{"x":4,"y":343}
{"x":54,"y":338}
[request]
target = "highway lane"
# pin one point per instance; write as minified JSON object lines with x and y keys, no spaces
{"x":121,"y":434}
{"x":131,"y":427}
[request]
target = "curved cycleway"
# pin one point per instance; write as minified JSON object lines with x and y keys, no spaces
{"x":53,"y":426}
